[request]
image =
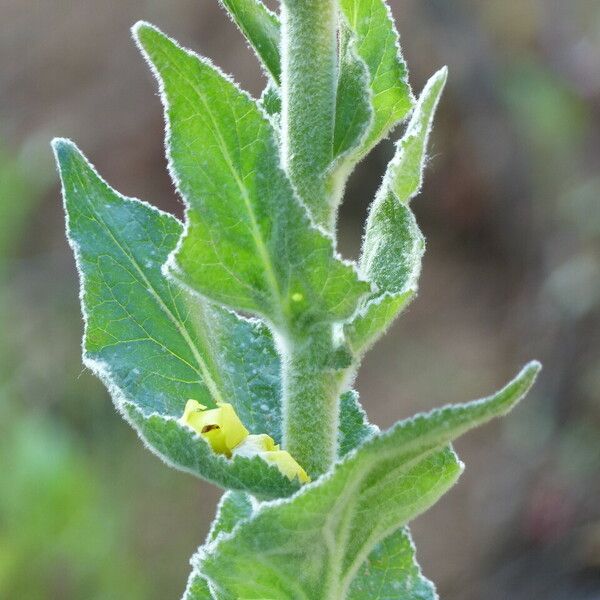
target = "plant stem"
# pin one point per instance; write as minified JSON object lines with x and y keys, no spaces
{"x":311,"y":390}
{"x":309,"y":81}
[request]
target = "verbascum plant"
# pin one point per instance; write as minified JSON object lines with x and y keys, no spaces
{"x":230,"y":341}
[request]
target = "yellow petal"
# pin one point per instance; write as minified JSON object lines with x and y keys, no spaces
{"x":191,"y":407}
{"x":233,"y":429}
{"x":286,"y":463}
{"x":263,"y":445}
{"x":256,"y":444}
{"x":220,"y":426}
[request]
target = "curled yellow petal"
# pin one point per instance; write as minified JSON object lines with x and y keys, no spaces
{"x":286,"y":463}
{"x":220,"y":426}
{"x":263,"y":445}
{"x":226,"y":434}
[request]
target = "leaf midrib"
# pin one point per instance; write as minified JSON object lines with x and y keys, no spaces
{"x":204,"y":371}
{"x":271,"y":278}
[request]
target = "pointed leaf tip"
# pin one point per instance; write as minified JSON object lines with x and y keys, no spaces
{"x":62,"y":148}
{"x":264,"y":249}
{"x":526,"y":377}
{"x":143,"y":28}
{"x":146,"y":37}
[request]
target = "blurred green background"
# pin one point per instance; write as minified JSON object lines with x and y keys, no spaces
{"x":511,"y":213}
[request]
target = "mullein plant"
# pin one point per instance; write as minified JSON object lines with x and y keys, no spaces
{"x":230,"y":341}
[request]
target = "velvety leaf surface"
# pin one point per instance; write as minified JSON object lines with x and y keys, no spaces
{"x":332,"y":525}
{"x":354,"y":427}
{"x":197,"y":589}
{"x":391,"y":570}
{"x":182,"y":448}
{"x":377,"y":44}
{"x":270,"y":101}
{"x":392,"y":573}
{"x":152,"y":344}
{"x":261,"y":28}
{"x":233,"y":508}
{"x":315,"y":530}
{"x":373,"y":319}
{"x":249,"y":243}
{"x":354,"y":113}
{"x":393,"y":245}
{"x":391,"y":566}
{"x":237,"y":506}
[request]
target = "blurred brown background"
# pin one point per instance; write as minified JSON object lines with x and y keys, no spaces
{"x":511,"y":213}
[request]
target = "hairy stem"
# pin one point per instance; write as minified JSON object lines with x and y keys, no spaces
{"x":309,"y":82}
{"x":311,"y":388}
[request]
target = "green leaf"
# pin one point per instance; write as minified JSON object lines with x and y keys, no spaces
{"x":237,"y":506}
{"x":152,"y":344}
{"x":354,"y":427}
{"x":262,"y":30}
{"x":270,"y":100}
{"x":197,"y":588}
{"x":372,"y":320}
{"x":354,"y":114}
{"x":393,"y":244}
{"x":391,"y":572}
{"x":182,"y":448}
{"x":315,"y":529}
{"x":248,"y":243}
{"x":377,"y":45}
{"x":390,"y":568}
{"x":233,"y":508}
{"x":404,"y":175}
{"x":332,"y":525}
{"x":158,"y":345}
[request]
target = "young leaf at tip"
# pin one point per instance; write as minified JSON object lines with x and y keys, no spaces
{"x":373,"y":92}
{"x":393,"y":245}
{"x":262,"y":30}
{"x":248,"y":242}
{"x":378,"y":45}
{"x":354,"y":113}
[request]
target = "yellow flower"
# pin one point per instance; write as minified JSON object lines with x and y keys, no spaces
{"x":220,"y":426}
{"x":226,"y":434}
{"x":263,"y":445}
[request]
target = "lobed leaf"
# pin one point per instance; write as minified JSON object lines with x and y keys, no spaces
{"x":248,"y":243}
{"x":393,"y":244}
{"x":333,"y":524}
{"x":153,"y":344}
